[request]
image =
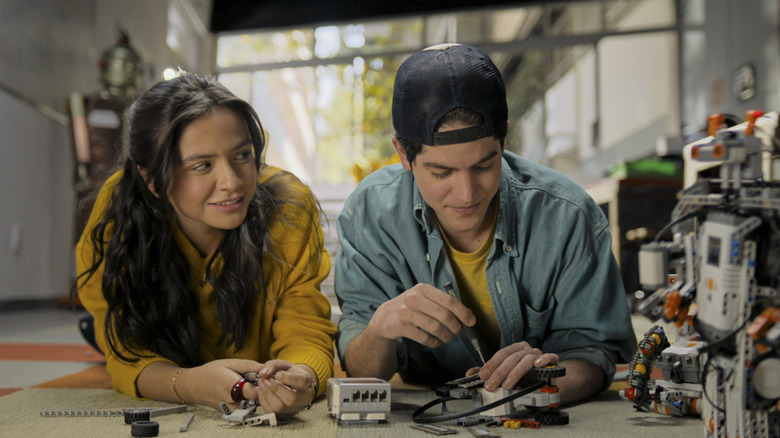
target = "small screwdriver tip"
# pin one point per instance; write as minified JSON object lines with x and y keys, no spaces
{"x":475,"y":343}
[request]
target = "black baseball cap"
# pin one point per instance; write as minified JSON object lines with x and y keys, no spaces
{"x":434,"y":81}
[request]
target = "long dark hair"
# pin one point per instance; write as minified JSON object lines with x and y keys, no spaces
{"x":146,"y":275}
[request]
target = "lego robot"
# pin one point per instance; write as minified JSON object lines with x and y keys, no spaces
{"x":716,"y":284}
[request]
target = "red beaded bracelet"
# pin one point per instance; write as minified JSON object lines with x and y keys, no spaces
{"x":237,"y":393}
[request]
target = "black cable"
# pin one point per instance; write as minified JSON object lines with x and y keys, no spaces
{"x":456,"y":415}
{"x":704,"y":386}
{"x":399,"y":406}
{"x":677,"y":221}
{"x":427,"y":406}
{"x":711,"y":348}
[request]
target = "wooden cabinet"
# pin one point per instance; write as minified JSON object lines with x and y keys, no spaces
{"x":637,"y":210}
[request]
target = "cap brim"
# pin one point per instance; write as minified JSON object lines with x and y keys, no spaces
{"x":464,"y":135}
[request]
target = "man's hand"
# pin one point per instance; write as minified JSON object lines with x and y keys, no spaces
{"x":510,"y":364}
{"x":423,"y":314}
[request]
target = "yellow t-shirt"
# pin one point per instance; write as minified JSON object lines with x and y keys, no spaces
{"x":469,"y":270}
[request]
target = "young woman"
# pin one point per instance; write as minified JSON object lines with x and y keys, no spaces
{"x":202,"y":265}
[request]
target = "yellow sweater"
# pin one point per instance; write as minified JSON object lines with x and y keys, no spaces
{"x":294,"y":324}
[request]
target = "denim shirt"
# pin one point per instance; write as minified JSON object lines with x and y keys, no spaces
{"x":551,"y":274}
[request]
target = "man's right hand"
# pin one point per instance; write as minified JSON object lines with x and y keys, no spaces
{"x":424,"y":314}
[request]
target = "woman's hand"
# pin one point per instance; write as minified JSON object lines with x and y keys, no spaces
{"x":282,"y":387}
{"x":285,"y":388}
{"x":209,"y":384}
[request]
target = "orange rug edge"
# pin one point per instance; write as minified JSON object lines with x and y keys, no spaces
{"x":94,"y":377}
{"x":6,"y":391}
{"x":50,"y":352}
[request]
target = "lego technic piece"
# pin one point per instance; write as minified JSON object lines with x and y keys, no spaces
{"x":679,"y":362}
{"x":245,"y":415}
{"x":122,"y":412}
{"x":480,"y":431}
{"x":83,"y":412}
{"x":434,"y":429}
{"x":468,"y":421}
{"x":460,"y":388}
{"x":478,"y":420}
{"x":186,"y":422}
{"x":359,"y":399}
{"x":725,"y":262}
{"x":225,"y":409}
{"x":680,"y":393}
{"x":145,"y":428}
{"x":261,"y":420}
{"x":552,"y":418}
{"x":516,"y":423}
{"x":142,"y":414}
{"x":650,"y":348}
{"x":547,"y":396}
{"x":239,"y":415}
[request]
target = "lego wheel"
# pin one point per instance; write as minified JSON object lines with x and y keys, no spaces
{"x":552,"y":418}
{"x":550,"y":371}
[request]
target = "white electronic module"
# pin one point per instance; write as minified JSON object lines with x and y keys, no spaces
{"x":359,"y":399}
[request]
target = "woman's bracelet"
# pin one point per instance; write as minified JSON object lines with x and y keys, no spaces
{"x":174,"y":386}
{"x":316,"y":387}
{"x":237,"y":392}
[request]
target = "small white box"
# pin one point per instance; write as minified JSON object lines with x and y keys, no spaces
{"x":359,"y":399}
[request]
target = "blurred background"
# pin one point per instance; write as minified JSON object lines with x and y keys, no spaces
{"x":606,"y":92}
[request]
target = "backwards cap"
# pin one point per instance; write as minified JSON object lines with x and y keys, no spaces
{"x":434,"y":81}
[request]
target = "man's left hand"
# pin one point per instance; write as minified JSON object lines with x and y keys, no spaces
{"x":511,"y":363}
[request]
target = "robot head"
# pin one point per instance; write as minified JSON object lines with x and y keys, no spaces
{"x":119,"y":67}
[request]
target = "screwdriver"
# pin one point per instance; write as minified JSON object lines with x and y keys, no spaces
{"x":468,"y":331}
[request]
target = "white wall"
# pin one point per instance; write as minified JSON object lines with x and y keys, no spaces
{"x":639,"y":83}
{"x":36,"y":219}
{"x":638,"y":91}
{"x":639,"y":80}
{"x":48,"y":49}
{"x":733,"y":34}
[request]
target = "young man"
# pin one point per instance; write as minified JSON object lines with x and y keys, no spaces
{"x":526,"y":249}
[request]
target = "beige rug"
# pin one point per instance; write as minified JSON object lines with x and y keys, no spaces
{"x":20,"y":417}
